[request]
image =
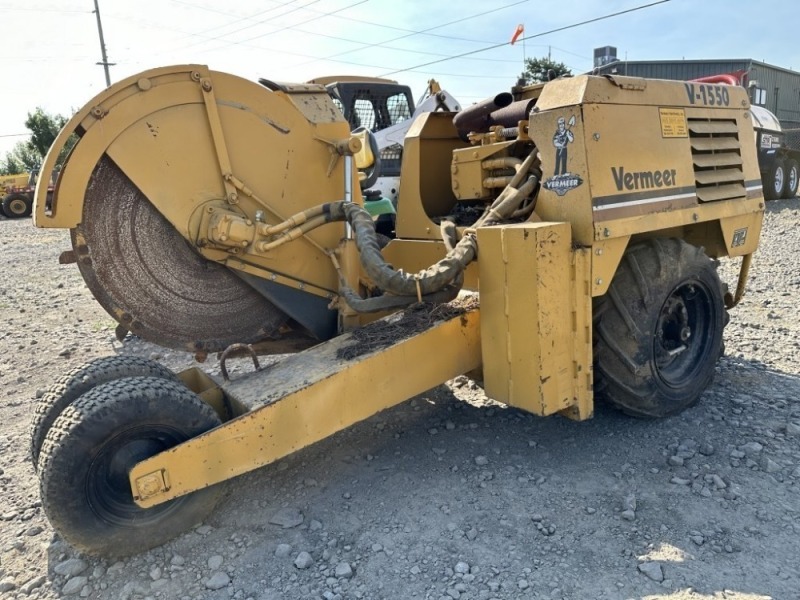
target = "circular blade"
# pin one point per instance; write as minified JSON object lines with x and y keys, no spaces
{"x":151,"y":280}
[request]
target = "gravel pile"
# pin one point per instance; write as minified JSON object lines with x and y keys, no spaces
{"x":439,"y":498}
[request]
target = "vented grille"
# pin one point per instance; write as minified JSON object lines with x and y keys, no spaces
{"x":717,"y":157}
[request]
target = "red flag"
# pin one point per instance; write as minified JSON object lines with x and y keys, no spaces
{"x":518,"y":32}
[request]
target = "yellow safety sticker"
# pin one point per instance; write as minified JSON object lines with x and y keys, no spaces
{"x":673,"y":123}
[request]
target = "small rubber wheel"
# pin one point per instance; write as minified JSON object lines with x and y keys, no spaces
{"x":91,"y":448}
{"x":80,"y":380}
{"x":658,"y":329}
{"x":775,"y":180}
{"x":792,"y":179}
{"x":16,"y":206}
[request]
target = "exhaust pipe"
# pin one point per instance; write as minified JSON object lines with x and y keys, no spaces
{"x":476,"y":117}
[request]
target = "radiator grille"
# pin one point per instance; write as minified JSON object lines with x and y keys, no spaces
{"x":717,"y":158}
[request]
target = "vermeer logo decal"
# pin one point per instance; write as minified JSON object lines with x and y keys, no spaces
{"x":562,"y":180}
{"x":561,"y":184}
{"x":643,"y":180}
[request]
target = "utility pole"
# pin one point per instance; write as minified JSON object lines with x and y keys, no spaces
{"x":105,"y":62}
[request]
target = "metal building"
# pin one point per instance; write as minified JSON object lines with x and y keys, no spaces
{"x":775,"y":88}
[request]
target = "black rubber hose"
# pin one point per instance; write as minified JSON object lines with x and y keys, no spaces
{"x":432,"y":279}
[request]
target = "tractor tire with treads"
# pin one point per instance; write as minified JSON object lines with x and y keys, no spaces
{"x":90,"y":449}
{"x":17,"y":206}
{"x":658,"y":329}
{"x":80,"y":380}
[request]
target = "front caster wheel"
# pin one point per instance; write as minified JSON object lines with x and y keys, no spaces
{"x":80,"y":380}
{"x":658,"y":329}
{"x":92,"y":446}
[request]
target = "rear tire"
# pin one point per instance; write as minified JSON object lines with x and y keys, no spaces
{"x":90,"y":449}
{"x":17,"y":206}
{"x":80,"y":380}
{"x":658,"y":329}
{"x":775,"y":180}
{"x":792,"y":179}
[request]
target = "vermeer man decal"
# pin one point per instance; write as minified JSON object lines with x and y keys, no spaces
{"x":563,"y":180}
{"x":561,"y":139}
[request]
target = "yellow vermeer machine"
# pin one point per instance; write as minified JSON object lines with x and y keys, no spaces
{"x":210,"y":213}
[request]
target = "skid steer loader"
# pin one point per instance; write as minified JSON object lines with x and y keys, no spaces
{"x":208,"y":213}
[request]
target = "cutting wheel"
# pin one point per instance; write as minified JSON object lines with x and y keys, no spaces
{"x":150,"y":279}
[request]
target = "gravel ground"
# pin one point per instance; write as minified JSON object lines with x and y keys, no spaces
{"x":448,"y":496}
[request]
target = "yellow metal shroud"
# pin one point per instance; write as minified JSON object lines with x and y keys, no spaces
{"x":536,"y":337}
{"x":193,"y":141}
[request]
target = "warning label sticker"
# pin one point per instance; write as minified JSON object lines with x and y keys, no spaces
{"x":673,"y":123}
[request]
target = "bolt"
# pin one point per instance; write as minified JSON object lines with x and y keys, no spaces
{"x":606,"y":232}
{"x":695,"y":217}
{"x":233,"y":197}
{"x":196,"y":75}
{"x":599,"y":251}
{"x":596,"y":137}
{"x":599,"y":281}
{"x":206,"y":85}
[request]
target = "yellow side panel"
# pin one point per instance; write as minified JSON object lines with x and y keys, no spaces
{"x":536,"y":318}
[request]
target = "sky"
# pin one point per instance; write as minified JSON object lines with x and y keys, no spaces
{"x":51,"y":48}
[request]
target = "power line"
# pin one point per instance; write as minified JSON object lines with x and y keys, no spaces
{"x":220,"y":37}
{"x":281,"y":29}
{"x":530,"y":37}
{"x":413,"y":33}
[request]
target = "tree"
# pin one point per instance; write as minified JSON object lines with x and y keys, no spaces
{"x":44,"y":128}
{"x":538,"y":70}
{"x":28,"y":155}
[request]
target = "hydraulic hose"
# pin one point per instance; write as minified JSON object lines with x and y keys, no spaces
{"x":441,"y":281}
{"x":432,"y":279}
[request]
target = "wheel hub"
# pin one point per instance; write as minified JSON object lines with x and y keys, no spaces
{"x":682,"y":334}
{"x":17,"y":207}
{"x":778,"y":180}
{"x":109,"y":489}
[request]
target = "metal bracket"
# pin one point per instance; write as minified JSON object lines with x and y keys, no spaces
{"x":221,"y":149}
{"x":152,"y":484}
{"x":236,"y":348}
